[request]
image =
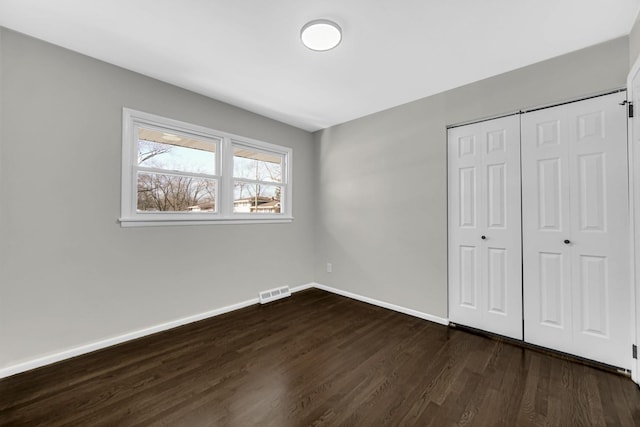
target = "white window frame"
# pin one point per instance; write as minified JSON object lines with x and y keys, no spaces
{"x":225,"y":142}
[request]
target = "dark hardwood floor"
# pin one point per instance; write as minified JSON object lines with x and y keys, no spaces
{"x":318,"y":359}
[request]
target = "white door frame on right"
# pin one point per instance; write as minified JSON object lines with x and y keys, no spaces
{"x":633,"y":95}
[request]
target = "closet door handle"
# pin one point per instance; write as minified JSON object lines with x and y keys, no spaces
{"x":483,"y":237}
{"x":567,"y":241}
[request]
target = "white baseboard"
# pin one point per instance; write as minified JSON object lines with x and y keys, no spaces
{"x":400,"y":309}
{"x":98,"y":345}
{"x":301,"y":287}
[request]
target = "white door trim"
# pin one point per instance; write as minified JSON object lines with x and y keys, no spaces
{"x":634,"y":207}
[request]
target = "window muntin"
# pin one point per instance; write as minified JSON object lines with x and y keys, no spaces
{"x":177,"y":173}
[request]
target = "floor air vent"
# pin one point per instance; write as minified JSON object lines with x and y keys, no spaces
{"x":274,"y":294}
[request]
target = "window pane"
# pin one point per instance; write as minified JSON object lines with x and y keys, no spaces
{"x":256,"y":198}
{"x":258,"y":166}
{"x":163,"y":150}
{"x":171,"y":193}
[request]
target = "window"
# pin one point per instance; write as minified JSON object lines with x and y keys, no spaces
{"x":175,"y":173}
{"x":178,"y":173}
{"x":257,"y":180}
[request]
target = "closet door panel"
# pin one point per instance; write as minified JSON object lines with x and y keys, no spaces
{"x":549,"y":194}
{"x":594,"y":289}
{"x":467,"y":189}
{"x":502,"y":227}
{"x":600,"y":231}
{"x":465,"y":170}
{"x":497,"y":196}
{"x":469,"y":278}
{"x":575,"y":229}
{"x":552,"y":284}
{"x":484,"y":201}
{"x":497,"y":285}
{"x":545,"y":225}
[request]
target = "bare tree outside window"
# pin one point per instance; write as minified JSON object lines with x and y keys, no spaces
{"x":160,"y":190}
{"x":171,"y":193}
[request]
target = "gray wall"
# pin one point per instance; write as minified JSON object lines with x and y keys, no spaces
{"x":69,"y":274}
{"x":634,"y":42}
{"x":381,"y":179}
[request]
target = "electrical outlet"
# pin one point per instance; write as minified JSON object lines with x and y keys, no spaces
{"x":329,"y":267}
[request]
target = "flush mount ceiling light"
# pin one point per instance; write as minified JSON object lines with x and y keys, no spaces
{"x":321,"y":34}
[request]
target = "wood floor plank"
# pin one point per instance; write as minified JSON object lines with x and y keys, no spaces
{"x":318,"y":359}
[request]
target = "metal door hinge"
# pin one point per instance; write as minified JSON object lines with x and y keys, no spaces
{"x":634,"y":351}
{"x":629,"y":105}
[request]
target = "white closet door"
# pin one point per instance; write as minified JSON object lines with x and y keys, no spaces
{"x":465,"y":170}
{"x":575,"y":229}
{"x":546,"y":218}
{"x":485,"y":286}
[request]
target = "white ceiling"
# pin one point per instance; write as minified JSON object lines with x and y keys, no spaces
{"x":248,"y":52}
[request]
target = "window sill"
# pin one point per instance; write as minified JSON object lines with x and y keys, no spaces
{"x":146,"y":222}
